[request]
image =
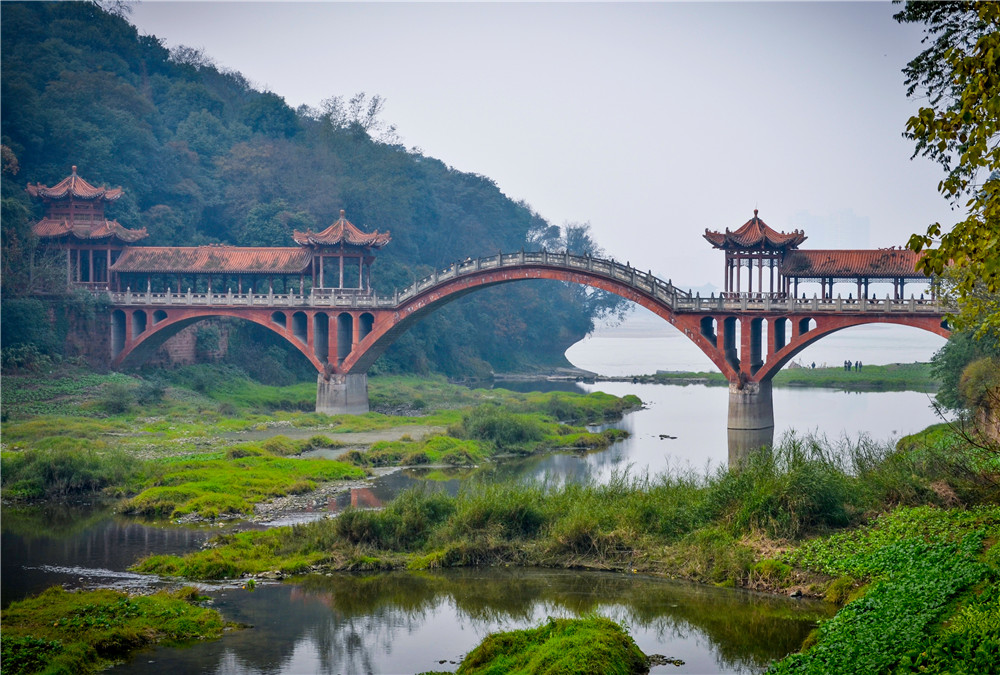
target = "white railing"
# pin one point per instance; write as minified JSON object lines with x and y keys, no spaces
{"x":645,"y":282}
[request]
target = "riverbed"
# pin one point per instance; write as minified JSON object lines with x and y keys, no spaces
{"x":409,"y":622}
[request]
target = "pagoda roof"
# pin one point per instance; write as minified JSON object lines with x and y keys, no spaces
{"x":341,"y":232}
{"x":213,"y":259}
{"x":877,"y":263}
{"x":755,"y":234}
{"x":86,"y":229}
{"x":74,"y":187}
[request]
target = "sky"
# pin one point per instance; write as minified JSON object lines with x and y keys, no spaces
{"x":651,"y":121}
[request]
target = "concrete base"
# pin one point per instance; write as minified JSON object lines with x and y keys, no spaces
{"x":342,"y":394}
{"x":750,"y":407}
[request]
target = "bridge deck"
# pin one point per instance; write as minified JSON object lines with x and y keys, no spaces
{"x":678,"y":300}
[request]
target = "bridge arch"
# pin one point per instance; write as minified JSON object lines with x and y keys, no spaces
{"x":387,"y":326}
{"x":824,"y":326}
{"x":132,"y":351}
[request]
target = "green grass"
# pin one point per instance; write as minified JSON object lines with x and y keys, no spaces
{"x":892,"y":377}
{"x":230,"y":483}
{"x":680,"y":524}
{"x":559,"y":646}
{"x":86,"y":631}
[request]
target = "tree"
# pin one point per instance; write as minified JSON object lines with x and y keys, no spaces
{"x":959,"y":128}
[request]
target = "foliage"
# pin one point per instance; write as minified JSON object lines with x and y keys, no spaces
{"x":86,"y":631}
{"x":205,"y":158}
{"x":980,"y":383}
{"x":918,"y":561}
{"x":64,"y":467}
{"x":958,"y":76}
{"x":559,"y":646}
{"x":949,"y":362}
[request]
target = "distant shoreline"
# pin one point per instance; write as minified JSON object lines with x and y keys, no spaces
{"x":890,"y":377}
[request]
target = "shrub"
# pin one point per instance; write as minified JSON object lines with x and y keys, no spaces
{"x":497,"y":425}
{"x":117,"y":398}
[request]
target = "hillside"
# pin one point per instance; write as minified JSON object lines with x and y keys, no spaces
{"x":204,"y":157}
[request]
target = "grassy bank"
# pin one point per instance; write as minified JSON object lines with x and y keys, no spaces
{"x":86,"y":631}
{"x":892,"y":377}
{"x":904,"y":536}
{"x":683,"y":524}
{"x":179,"y":451}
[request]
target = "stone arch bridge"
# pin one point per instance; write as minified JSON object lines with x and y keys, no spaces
{"x":342,"y":335}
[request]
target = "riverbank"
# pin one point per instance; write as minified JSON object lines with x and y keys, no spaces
{"x":796,"y":520}
{"x":752,"y":528}
{"x":175,"y":453}
{"x":891,"y":377}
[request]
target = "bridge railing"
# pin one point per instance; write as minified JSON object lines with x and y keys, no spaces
{"x":664,"y":291}
{"x":815,"y":304}
{"x":645,"y":281}
{"x":229,"y":299}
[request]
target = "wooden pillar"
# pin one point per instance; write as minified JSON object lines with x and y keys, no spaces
{"x":69,"y":267}
{"x":739,"y":268}
{"x":760,"y":273}
{"x":341,"y":259}
{"x":859,"y":288}
{"x":361,"y":272}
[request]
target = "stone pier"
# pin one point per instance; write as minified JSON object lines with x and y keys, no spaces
{"x":750,"y":406}
{"x":342,"y":394}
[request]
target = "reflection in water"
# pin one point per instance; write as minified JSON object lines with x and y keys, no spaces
{"x":744,"y":441}
{"x":79,"y":546}
{"x":409,"y":622}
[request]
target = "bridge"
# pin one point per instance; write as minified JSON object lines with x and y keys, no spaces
{"x":318,"y":296}
{"x":342,"y":335}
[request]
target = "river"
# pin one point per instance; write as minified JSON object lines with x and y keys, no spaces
{"x":410,"y":622}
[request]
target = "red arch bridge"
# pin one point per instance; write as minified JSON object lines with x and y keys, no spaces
{"x":342,"y":335}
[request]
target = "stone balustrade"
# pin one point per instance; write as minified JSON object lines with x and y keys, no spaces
{"x":679,"y":300}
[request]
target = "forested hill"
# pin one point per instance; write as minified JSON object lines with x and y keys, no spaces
{"x":204,"y":157}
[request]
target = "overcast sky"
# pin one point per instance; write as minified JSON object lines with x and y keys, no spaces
{"x":650,"y":121}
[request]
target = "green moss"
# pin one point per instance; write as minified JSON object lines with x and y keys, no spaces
{"x":588,"y":645}
{"x":86,"y":631}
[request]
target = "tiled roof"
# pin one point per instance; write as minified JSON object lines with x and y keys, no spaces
{"x":74,"y":186}
{"x":342,"y":231}
{"x":755,"y":234}
{"x":883,"y":262}
{"x":210,"y":259}
{"x":49,"y":228}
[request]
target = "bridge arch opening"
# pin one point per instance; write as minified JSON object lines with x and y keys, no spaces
{"x":345,"y":334}
{"x":138,"y":323}
{"x":117,"y":332}
{"x":731,"y":333}
{"x":709,"y":329}
{"x":365,"y":324}
{"x":782,"y":331}
{"x":158,"y":316}
{"x":299,"y":327}
{"x":280,"y":319}
{"x":321,"y":336}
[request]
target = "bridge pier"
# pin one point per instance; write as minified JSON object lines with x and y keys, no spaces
{"x":342,"y":394}
{"x":750,"y":406}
